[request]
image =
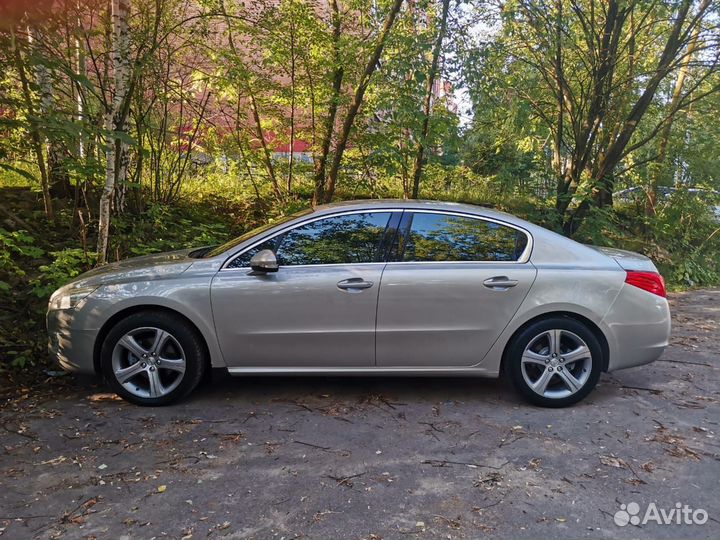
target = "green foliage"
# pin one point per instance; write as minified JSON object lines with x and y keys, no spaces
{"x":694,"y":271}
{"x":683,"y":239}
{"x":19,"y":251}
{"x":14,"y":247}
{"x":164,"y":227}
{"x":689,"y":229}
{"x":66,"y":265}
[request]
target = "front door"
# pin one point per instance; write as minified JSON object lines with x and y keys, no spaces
{"x":319,"y":308}
{"x":455,"y":284}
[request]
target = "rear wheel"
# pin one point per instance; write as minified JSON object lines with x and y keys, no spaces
{"x":554,"y":362}
{"x":153,"y":358}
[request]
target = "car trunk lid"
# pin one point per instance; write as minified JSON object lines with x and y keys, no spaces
{"x":628,"y":260}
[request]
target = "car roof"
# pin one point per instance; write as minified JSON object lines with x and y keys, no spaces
{"x":418,"y":204}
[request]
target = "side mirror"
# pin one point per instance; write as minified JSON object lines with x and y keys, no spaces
{"x":264,"y":261}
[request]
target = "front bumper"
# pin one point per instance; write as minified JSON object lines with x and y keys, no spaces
{"x":73,"y":349}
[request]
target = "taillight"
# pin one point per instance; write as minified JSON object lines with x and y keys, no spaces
{"x":647,"y":281}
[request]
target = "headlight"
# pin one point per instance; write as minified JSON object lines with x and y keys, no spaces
{"x":69,"y":298}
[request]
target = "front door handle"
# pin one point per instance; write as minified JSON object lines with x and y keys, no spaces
{"x":500,"y":283}
{"x":354,"y":283}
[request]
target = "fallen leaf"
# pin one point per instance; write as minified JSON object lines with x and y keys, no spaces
{"x":54,"y":461}
{"x":104,"y":396}
{"x":612,"y":461}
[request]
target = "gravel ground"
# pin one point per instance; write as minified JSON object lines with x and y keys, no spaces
{"x":372,"y":458}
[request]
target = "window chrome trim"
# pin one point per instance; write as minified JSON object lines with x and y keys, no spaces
{"x":290,"y":227}
{"x":524,"y":256}
{"x":523,"y":259}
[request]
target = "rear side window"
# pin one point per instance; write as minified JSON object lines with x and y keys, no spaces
{"x":445,"y":237}
{"x":346,"y":239}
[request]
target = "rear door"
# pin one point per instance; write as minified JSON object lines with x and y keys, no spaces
{"x":454,"y":284}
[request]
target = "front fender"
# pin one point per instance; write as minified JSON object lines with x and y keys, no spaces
{"x":188,"y":296}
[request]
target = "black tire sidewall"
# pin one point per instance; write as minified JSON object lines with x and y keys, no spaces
{"x":181,"y":330}
{"x":520,"y":341}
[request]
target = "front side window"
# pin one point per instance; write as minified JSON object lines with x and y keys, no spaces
{"x":219,"y":250}
{"x":444,"y":237}
{"x":347,"y":239}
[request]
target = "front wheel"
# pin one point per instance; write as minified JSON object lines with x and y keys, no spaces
{"x":554,"y":362}
{"x":153,"y":358}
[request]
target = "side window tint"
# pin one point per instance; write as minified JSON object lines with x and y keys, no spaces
{"x":352,"y":238}
{"x":443,"y":237}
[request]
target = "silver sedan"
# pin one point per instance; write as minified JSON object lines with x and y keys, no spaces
{"x":368,"y":288}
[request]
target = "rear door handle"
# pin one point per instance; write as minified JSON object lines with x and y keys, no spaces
{"x":500,"y":283}
{"x":354,"y":283}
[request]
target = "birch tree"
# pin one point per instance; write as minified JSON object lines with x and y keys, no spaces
{"x":58,"y":179}
{"x":115,"y":122}
{"x":36,"y":133}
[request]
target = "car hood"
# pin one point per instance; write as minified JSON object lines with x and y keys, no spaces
{"x":628,"y":260}
{"x":156,"y":266}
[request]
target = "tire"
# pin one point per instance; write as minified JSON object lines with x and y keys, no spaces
{"x":173,"y":364}
{"x":565,"y":378}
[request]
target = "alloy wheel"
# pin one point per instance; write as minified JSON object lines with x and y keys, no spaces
{"x":148,"y":362}
{"x":556,"y":364}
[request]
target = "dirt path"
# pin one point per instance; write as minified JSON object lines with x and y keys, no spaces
{"x":371,"y":458}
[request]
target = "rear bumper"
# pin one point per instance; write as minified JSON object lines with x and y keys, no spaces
{"x":639,"y":328}
{"x":71,"y":348}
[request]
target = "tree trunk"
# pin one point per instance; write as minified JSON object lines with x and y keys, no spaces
{"x":35,"y":131}
{"x":672,"y":46}
{"x":291,"y":157}
{"x":667,"y":128}
{"x":358,"y":99}
{"x":329,"y":129}
{"x":260,"y":133}
{"x":586,"y":130}
{"x":58,"y":177}
{"x":604,"y":195}
{"x":602,"y":172}
{"x":563,"y":185}
{"x":80,"y":71}
{"x":267,"y":158}
{"x":115,"y":121}
{"x":429,"y":84}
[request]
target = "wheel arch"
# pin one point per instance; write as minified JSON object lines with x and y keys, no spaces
{"x":594,"y":328}
{"x":123,"y":313}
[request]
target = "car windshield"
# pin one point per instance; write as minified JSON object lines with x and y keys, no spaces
{"x":240,"y":239}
